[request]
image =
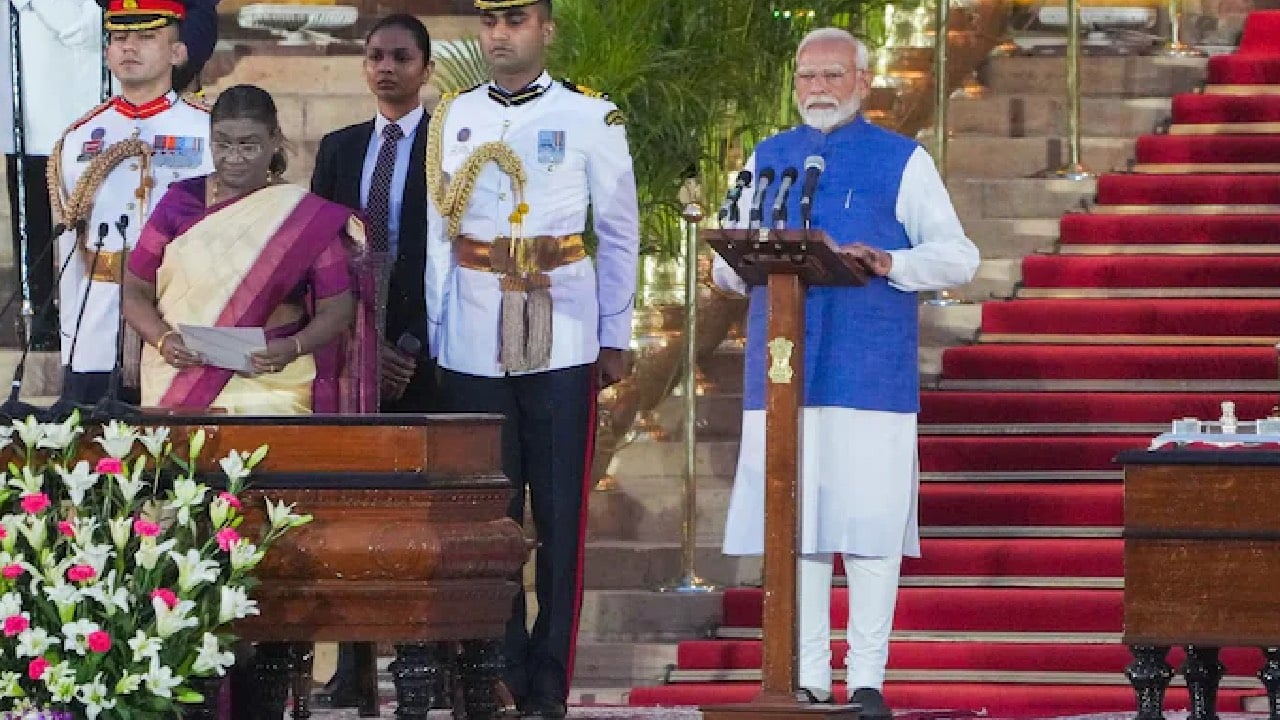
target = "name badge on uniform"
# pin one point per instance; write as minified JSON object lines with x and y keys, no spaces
{"x":551,"y":147}
{"x":177,"y":151}
{"x":92,"y":147}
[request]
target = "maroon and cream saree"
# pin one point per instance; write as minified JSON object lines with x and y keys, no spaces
{"x":260,"y":260}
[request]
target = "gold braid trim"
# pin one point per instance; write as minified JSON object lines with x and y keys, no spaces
{"x":434,"y":154}
{"x":453,"y":197}
{"x":53,"y":171}
{"x":79,"y":206}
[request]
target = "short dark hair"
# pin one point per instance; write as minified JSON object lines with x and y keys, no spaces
{"x":408,"y":22}
{"x":250,"y":102}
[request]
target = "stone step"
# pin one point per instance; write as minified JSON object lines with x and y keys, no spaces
{"x":42,"y":378}
{"x":1012,"y":238}
{"x":1017,"y":198}
{"x":978,"y":156}
{"x":622,"y":664}
{"x":621,"y":565}
{"x":1114,"y":77}
{"x":1039,"y":115}
{"x":646,"y":616}
{"x":995,"y":278}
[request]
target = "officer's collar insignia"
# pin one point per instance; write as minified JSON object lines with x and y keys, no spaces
{"x":527,"y":94}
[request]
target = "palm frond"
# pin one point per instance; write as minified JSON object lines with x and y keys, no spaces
{"x":460,"y":64}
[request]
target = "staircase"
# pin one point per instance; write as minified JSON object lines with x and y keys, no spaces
{"x":1153,"y":300}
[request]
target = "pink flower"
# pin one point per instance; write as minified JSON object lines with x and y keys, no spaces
{"x":109,"y":466}
{"x":13,"y":571}
{"x":15,"y":624}
{"x":37,"y":668}
{"x":3,"y":533}
{"x":146,"y":528}
{"x":226,"y":538}
{"x":231,"y":500}
{"x":98,"y":641}
{"x":34,"y":503}
{"x":65,"y":528}
{"x":166,"y":596}
{"x":81,"y":573}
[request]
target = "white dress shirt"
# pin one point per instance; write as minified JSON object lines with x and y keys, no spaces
{"x":61,"y":45}
{"x":404,"y":147}
{"x":574,"y":150}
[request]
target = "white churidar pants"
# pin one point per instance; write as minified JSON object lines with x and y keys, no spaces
{"x":873,"y":593}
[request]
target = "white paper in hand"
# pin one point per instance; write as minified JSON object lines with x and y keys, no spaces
{"x":224,"y":347}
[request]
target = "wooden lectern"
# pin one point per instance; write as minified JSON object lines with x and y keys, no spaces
{"x":787,"y":262}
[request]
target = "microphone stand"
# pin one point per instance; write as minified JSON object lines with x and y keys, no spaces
{"x":26,"y":316}
{"x":63,"y":408}
{"x":111,"y":407}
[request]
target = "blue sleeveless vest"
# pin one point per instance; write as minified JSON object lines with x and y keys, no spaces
{"x":861,"y":343}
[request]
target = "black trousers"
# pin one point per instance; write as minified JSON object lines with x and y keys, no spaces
{"x":40,"y":254}
{"x":546,"y":438}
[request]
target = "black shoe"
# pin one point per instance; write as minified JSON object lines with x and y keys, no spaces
{"x":813,"y":696}
{"x":542,"y":708}
{"x":872,"y":702}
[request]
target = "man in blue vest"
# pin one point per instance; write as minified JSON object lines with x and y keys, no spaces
{"x":883,"y":201}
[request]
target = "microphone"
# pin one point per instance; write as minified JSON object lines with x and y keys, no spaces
{"x":111,"y":406}
{"x":780,"y":200}
{"x":813,"y":167}
{"x":757,"y":201}
{"x":409,"y":344}
{"x":730,"y":207}
{"x":64,"y":407}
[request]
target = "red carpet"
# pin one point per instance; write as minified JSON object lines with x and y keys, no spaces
{"x":1083,"y":407}
{"x":1109,"y":362}
{"x":1086,"y":229}
{"x":1198,"y":108}
{"x":1149,"y":271}
{"x":1133,"y":317}
{"x":984,"y":532}
{"x":1188,"y":190}
{"x":1208,"y":148}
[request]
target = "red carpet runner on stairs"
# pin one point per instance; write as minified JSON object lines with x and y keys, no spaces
{"x":1155,"y":307}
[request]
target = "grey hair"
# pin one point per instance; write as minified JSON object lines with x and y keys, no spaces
{"x":829,"y":34}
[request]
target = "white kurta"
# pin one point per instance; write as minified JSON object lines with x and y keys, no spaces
{"x":859,"y":477}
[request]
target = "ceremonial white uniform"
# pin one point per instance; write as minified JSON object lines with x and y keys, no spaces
{"x":571,"y":163}
{"x":178,"y":133}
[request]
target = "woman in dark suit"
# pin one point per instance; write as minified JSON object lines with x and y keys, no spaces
{"x":377,"y":167}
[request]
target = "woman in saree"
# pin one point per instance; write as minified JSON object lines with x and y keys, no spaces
{"x":239,"y":248}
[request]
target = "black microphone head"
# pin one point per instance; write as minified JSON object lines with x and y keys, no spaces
{"x":59,"y":229}
{"x":123,"y":222}
{"x":409,"y":344}
{"x":744,"y":179}
{"x":790,"y":174}
{"x":815,"y":162}
{"x":103,"y":230}
{"x":766,"y":175}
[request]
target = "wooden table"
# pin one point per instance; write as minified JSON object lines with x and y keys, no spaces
{"x":1201,"y":569}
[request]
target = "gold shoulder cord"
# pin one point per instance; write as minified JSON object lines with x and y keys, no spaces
{"x":453,"y":197}
{"x":77,"y":208}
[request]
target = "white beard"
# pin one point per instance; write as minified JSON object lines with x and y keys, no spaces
{"x":828,"y":118}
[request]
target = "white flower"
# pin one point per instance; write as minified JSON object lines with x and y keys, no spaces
{"x":117,"y":439}
{"x":154,"y":439}
{"x":245,"y":555}
{"x":219,"y":512}
{"x":12,"y":526}
{"x":170,"y":621}
{"x":65,"y":596}
{"x":30,"y":432}
{"x":145,"y":647}
{"x":61,"y":681}
{"x":60,"y":436}
{"x":33,"y":642}
{"x":193,"y":569}
{"x":74,"y":635}
{"x":210,"y":658}
{"x":131,"y":486}
{"x":282,"y":515}
{"x":78,"y":481}
{"x":160,"y":680}
{"x":29,"y":483}
{"x":121,"y":528}
{"x":82,"y":529}
{"x":34,"y":530}
{"x":149,"y":552}
{"x":233,"y":465}
{"x":95,"y":556}
{"x":110,"y":597}
{"x":128,"y":683}
{"x":95,"y":698}
{"x":6,"y":439}
{"x":186,"y":493}
{"x":234,"y":604}
{"x":11,"y":685}
{"x":10,"y":604}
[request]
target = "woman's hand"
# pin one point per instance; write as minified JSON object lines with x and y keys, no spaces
{"x":278,"y":353}
{"x":175,"y":352}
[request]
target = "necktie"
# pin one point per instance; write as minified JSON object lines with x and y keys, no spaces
{"x":378,"y":209}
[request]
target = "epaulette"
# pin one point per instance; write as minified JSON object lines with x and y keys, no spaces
{"x":196,"y":100}
{"x":455,"y":93}
{"x":86,"y":118}
{"x":584,"y":90}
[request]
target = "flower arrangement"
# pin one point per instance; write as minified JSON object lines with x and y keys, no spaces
{"x":118,"y":580}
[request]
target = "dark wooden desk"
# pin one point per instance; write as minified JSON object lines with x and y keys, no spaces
{"x":1201,"y":569}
